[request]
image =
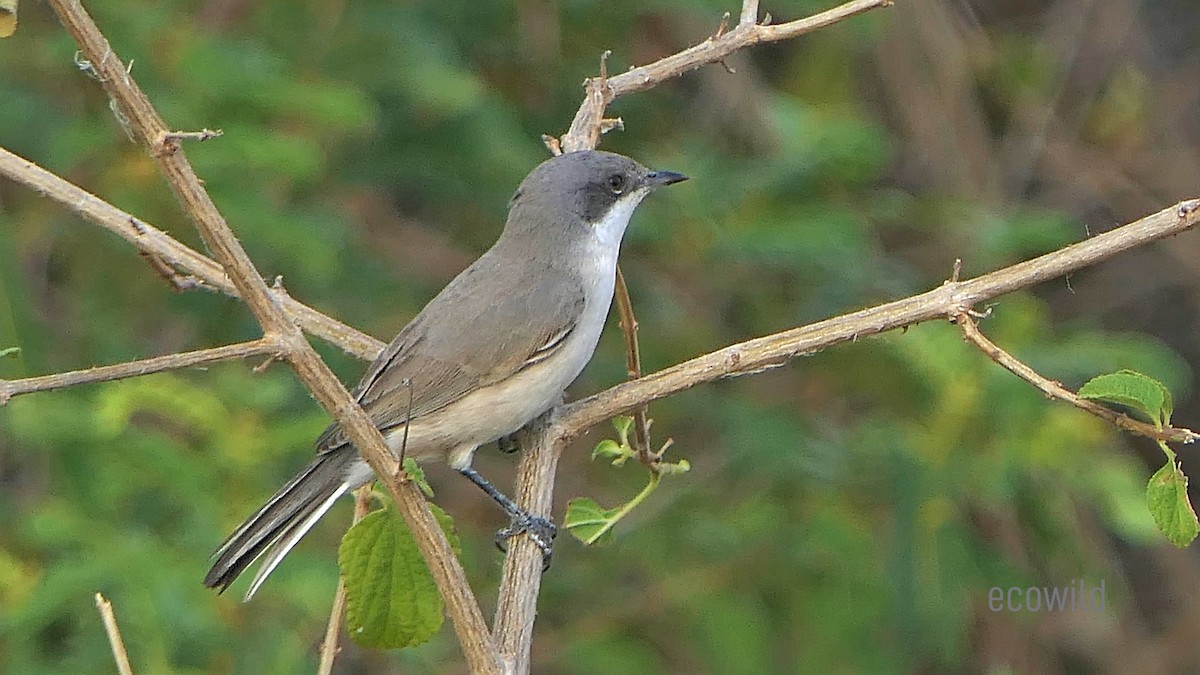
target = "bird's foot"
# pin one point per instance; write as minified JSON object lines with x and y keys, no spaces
{"x":540,"y":530}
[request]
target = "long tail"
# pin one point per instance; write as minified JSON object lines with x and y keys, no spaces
{"x":282,"y":521}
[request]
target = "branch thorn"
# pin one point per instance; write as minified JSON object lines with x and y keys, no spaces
{"x":604,"y":66}
{"x":721,"y":27}
{"x":610,"y":123}
{"x":552,"y":144}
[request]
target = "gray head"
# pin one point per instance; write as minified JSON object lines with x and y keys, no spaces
{"x":578,"y":192}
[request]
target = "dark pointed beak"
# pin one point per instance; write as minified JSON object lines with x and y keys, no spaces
{"x":659,"y":178}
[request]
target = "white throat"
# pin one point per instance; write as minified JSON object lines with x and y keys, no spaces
{"x":611,"y":228}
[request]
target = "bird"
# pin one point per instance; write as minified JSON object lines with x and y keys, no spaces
{"x":490,"y":352}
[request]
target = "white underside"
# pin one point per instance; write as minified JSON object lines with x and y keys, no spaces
{"x":481,"y":417}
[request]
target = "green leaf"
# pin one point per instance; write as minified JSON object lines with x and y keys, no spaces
{"x":1132,"y":389}
{"x":589,"y":522}
{"x":391,"y":599}
{"x":610,"y":449}
{"x":10,"y":351}
{"x":1166,"y":495}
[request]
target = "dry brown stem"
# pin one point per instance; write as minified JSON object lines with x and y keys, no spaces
{"x":1055,"y":390}
{"x":633,"y":367}
{"x":120,"y":371}
{"x":949,"y":300}
{"x":114,"y":635}
{"x":599,"y":92}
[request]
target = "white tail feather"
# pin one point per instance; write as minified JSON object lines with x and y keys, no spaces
{"x":287,"y":539}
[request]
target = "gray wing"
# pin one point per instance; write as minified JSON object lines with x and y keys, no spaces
{"x":465,"y":338}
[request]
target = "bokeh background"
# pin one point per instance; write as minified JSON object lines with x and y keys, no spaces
{"x":846,"y":513}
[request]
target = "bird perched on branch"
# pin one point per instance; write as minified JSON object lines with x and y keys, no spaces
{"x":492,"y":351}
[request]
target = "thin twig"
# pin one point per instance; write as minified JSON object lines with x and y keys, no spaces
{"x":329,"y":646}
{"x":120,"y":371}
{"x":1052,"y":389}
{"x":633,"y":366}
{"x":139,"y":117}
{"x":114,"y":635}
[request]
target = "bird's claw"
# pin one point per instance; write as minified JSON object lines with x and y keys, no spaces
{"x":540,"y":530}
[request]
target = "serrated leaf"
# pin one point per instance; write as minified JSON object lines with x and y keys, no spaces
{"x":588,"y":521}
{"x":1132,"y":389}
{"x":391,"y":599}
{"x":1166,"y":495}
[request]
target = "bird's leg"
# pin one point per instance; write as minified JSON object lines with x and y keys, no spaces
{"x":539,"y":529}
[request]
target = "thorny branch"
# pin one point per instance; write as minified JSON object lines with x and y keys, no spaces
{"x":142,"y":122}
{"x":544,"y":439}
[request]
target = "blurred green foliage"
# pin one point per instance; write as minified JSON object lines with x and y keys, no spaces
{"x":846,"y":513}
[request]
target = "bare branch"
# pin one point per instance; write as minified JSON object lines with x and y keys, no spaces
{"x":951,"y":299}
{"x":585,"y":130}
{"x":114,"y":635}
{"x":120,"y":371}
{"x":173,"y":254}
{"x":144,"y":124}
{"x":1052,"y":389}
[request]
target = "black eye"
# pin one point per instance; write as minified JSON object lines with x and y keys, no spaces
{"x":617,"y":183}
